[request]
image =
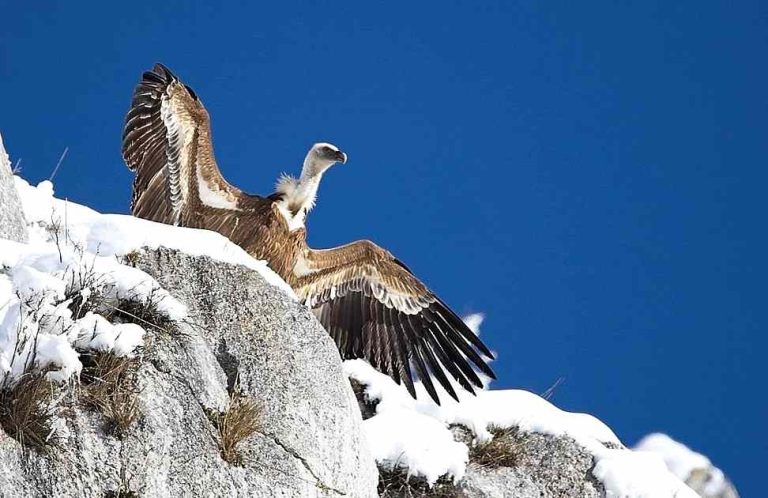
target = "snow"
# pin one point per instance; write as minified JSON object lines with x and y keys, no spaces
{"x":422,"y":445}
{"x":95,"y":333}
{"x":474,"y":321}
{"x":678,"y":457}
{"x":37,"y":328}
{"x":626,"y":473}
{"x":682,"y":461}
{"x":118,"y":235}
{"x":75,"y":252}
{"x":414,"y":434}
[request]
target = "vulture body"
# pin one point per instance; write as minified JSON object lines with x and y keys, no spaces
{"x":367,"y":300}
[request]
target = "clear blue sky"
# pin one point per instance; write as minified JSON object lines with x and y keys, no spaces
{"x":592,"y":178}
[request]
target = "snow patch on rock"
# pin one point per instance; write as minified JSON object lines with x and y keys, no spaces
{"x":39,"y":280}
{"x":686,"y":464}
{"x":414,"y":434}
{"x":118,"y":235}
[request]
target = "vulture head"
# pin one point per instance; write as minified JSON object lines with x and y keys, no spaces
{"x":298,"y":195}
{"x":321,"y":157}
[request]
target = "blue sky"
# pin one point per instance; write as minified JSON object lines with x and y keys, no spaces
{"x":592,"y":178}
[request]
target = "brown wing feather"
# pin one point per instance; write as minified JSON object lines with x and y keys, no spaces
{"x":167,"y":142}
{"x":375,"y":308}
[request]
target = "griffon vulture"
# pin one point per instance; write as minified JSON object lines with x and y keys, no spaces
{"x":367,"y":300}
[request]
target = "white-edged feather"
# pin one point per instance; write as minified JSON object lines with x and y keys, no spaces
{"x":213,"y":197}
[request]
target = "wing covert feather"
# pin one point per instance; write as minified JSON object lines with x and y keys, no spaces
{"x":376,"y":309}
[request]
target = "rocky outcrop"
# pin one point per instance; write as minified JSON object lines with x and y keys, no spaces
{"x":242,"y":337}
{"x":544,"y":466}
{"x":240,"y":332}
{"x":277,"y":352}
{"x":534,"y":466}
{"x":12,"y":224}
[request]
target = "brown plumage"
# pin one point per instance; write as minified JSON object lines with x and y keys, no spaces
{"x":368,"y":301}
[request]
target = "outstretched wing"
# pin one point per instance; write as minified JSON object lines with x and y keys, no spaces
{"x":167,"y":142}
{"x":376,"y":309}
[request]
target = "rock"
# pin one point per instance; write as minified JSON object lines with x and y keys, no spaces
{"x":279,"y":353}
{"x":12,"y":223}
{"x":367,"y":406}
{"x":240,"y":331}
{"x":502,"y":482}
{"x":544,"y":466}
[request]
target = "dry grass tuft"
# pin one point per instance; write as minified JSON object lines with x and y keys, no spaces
{"x":80,"y":281}
{"x":143,"y":313}
{"x":121,"y":494}
{"x":504,"y":450}
{"x":109,"y":386}
{"x":397,"y":483}
{"x":132,"y":258}
{"x":26,"y":412}
{"x":241,"y":420}
{"x":146,"y":314}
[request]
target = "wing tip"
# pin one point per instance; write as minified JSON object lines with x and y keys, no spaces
{"x":145,"y":101}
{"x":156,"y":79}
{"x":162,"y":75}
{"x":164,"y":72}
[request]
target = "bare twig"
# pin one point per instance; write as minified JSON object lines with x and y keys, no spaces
{"x":55,"y":229}
{"x":61,"y":159}
{"x":551,"y":391}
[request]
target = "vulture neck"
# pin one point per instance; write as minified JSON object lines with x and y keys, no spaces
{"x":298,"y":196}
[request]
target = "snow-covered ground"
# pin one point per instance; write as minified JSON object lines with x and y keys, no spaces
{"x":414,"y":434}
{"x":74,"y":253}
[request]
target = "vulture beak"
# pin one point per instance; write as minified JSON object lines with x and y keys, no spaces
{"x":341,"y":157}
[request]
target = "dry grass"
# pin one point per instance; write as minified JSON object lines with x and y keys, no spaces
{"x":80,"y":307}
{"x":146,"y":313}
{"x":396,"y":483}
{"x":132,"y":258}
{"x":121,"y":494}
{"x":503,"y":450}
{"x":143,"y":313}
{"x":241,"y":420}
{"x":26,"y":411}
{"x":109,"y":386}
{"x":123,"y":488}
